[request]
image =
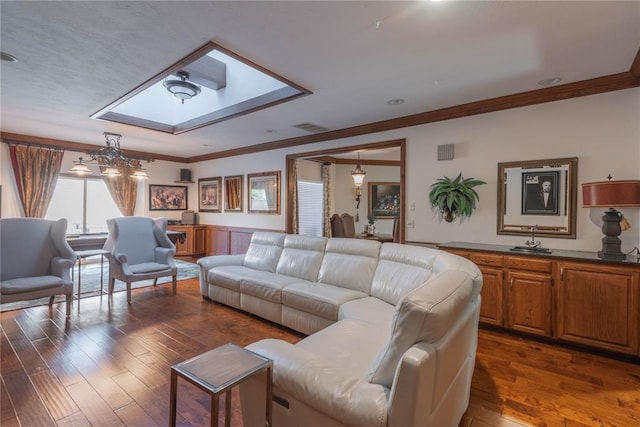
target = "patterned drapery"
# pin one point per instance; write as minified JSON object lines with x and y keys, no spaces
{"x":123,"y":189}
{"x":326,"y":196}
{"x":294,"y":196}
{"x":36,"y":171}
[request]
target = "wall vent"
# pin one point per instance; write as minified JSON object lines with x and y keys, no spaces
{"x":445,"y":152}
{"x":311,"y":128}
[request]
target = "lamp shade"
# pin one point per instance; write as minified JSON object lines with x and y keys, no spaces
{"x":610,"y":194}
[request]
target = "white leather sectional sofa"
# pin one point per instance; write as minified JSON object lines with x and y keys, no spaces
{"x":392,"y":329}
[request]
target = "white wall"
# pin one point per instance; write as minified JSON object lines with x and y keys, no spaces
{"x":601,"y":130}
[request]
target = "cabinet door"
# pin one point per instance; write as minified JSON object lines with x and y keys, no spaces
{"x":184,"y":247}
{"x":528,"y":297}
{"x":491,"y":308}
{"x":199,"y":239}
{"x":598,"y":306}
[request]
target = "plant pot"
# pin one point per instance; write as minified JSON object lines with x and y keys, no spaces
{"x":448,"y":215}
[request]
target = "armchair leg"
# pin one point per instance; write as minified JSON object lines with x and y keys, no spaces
{"x":51,"y":299}
{"x":155,"y":281}
{"x":112,"y":284}
{"x":128,"y":292}
{"x":69,"y":302}
{"x":174,"y":284}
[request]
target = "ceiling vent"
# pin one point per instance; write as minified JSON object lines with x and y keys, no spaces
{"x":311,"y":128}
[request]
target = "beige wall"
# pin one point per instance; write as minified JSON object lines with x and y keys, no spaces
{"x":601,"y":130}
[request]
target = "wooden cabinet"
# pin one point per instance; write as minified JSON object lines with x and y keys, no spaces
{"x":194,"y":242}
{"x":598,"y":306}
{"x":567,"y":296}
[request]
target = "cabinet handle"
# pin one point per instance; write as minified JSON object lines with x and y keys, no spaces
{"x":562,"y":273}
{"x":511,"y":283}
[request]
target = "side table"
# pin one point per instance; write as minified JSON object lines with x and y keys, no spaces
{"x":218,"y":371}
{"x":86,"y":254}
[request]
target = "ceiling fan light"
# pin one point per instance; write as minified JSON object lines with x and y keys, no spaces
{"x":139,"y":174}
{"x":111,"y":172}
{"x":79,"y":168}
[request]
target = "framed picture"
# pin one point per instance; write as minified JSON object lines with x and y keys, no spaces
{"x":384,"y":199}
{"x":233,"y":193}
{"x":264,"y":192}
{"x":540,"y":192}
{"x":167,"y":197}
{"x":210,"y":194}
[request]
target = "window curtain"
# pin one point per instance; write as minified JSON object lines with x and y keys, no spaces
{"x":123,"y":189}
{"x":233,"y":189}
{"x":326,"y":190}
{"x":294,"y":197}
{"x":36,"y":171}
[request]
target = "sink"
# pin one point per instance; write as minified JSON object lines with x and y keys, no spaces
{"x":530,"y":250}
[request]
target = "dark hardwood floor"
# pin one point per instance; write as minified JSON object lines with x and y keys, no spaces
{"x":109,"y":365}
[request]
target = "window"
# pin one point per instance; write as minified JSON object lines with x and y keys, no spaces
{"x":310,"y":208}
{"x":85,"y":202}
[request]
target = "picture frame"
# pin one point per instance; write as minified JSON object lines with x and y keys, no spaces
{"x":233,"y":193}
{"x":263,"y":195}
{"x":384,"y":199}
{"x":168,"y":197}
{"x":210,"y":194}
{"x":540,"y":193}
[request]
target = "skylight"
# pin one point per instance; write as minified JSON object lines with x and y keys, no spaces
{"x":229,"y":86}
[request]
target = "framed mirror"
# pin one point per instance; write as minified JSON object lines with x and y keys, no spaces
{"x":540,"y":193}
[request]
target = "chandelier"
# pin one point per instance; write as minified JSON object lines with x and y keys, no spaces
{"x":111,"y":160}
{"x":182,"y":88}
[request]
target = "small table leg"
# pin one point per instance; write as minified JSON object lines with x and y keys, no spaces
{"x":269,"y":394}
{"x":215,"y":409}
{"x":227,"y":409}
{"x":172,"y":399}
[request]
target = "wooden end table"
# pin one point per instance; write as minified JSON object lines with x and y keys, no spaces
{"x":218,"y":371}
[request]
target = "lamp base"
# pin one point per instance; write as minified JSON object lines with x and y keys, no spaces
{"x":611,"y":242}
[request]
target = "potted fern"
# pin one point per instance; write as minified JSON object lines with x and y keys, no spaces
{"x":454,"y":198}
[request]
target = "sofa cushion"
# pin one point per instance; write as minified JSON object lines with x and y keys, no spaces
{"x":401,"y":268}
{"x":350,"y":263}
{"x":228,"y":276}
{"x":265,"y":285}
{"x":302,"y":256}
{"x":370,"y":310}
{"x":318,"y":298}
{"x":424,"y":314}
{"x":264,"y":251}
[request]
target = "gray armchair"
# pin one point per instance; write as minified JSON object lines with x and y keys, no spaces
{"x":139,"y":249}
{"x":35,"y":260}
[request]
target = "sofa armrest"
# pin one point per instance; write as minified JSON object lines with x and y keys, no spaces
{"x":61,"y":267}
{"x":207,"y":263}
{"x":324,"y":386}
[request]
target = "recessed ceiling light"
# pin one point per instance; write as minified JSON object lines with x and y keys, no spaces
{"x":8,"y":57}
{"x":396,"y":101}
{"x":550,"y":81}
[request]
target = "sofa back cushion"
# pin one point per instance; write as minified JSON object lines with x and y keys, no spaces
{"x":401,"y":268}
{"x":424,"y":314}
{"x":349,"y":263}
{"x":302,"y":256}
{"x":264,"y":251}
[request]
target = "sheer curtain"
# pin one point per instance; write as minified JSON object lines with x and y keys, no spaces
{"x":326,"y":189}
{"x":36,"y":171}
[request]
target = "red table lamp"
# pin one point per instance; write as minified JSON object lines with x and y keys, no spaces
{"x":611,"y":194}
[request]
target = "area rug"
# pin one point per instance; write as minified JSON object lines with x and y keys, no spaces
{"x":91,"y":283}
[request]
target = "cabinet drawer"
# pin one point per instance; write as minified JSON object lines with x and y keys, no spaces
{"x":530,"y":264}
{"x":487,"y":259}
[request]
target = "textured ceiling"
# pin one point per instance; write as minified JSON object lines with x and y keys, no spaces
{"x":77,"y":57}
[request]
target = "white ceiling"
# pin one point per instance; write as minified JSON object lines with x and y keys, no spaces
{"x":76,"y":57}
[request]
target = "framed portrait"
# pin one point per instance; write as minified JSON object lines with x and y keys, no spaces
{"x":264,"y":192}
{"x":233,"y":186}
{"x":384,"y":199}
{"x":167,"y":197}
{"x":210,"y":194}
{"x":540,"y":191}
